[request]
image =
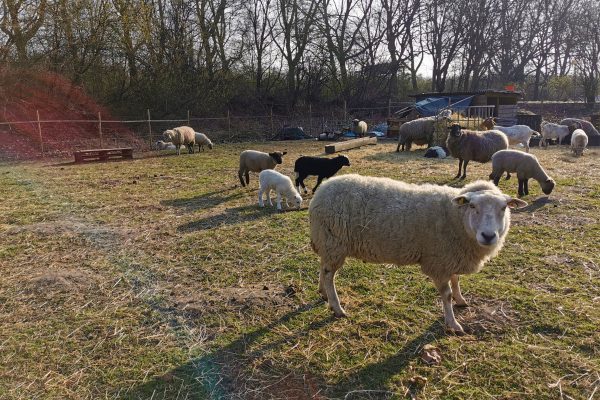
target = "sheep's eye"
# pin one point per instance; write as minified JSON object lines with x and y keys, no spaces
{"x":471,"y":206}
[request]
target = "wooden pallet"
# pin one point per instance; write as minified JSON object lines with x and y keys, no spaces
{"x":103,"y":154}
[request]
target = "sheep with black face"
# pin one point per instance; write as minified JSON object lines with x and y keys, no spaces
{"x":257,"y":161}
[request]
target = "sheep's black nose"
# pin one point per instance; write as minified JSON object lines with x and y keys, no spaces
{"x":488,"y":237}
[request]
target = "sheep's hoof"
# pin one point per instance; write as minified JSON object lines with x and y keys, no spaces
{"x":463,"y":177}
{"x":455,"y":328}
{"x":457,"y":176}
{"x":461,"y":304}
{"x":340,"y":315}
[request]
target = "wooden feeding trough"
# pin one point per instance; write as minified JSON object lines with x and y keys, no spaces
{"x":349,"y":144}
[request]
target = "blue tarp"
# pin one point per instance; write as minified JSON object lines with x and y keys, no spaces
{"x":433,"y":105}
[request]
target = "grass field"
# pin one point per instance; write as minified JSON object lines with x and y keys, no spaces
{"x":160,"y":278}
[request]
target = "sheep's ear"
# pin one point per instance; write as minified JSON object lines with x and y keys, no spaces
{"x":462,"y":200}
{"x":512,"y":202}
{"x":284,"y":153}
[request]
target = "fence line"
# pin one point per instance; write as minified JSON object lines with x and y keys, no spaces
{"x":58,"y":139}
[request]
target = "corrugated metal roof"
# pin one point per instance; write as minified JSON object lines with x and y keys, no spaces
{"x":474,"y":93}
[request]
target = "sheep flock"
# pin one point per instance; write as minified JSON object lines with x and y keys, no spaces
{"x":382,"y":220}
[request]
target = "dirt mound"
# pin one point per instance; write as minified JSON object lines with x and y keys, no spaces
{"x":25,"y":93}
{"x":70,"y":280}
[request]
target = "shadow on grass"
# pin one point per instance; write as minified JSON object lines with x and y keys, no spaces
{"x":205,"y":200}
{"x":535,"y":205}
{"x":230,"y":216}
{"x":236,"y":368}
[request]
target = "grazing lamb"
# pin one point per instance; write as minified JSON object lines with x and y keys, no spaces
{"x":579,"y":142}
{"x":257,"y":161}
{"x":448,"y":231}
{"x":201,"y":140}
{"x":515,"y":134}
{"x":182,"y":135}
{"x":525,"y":165}
{"x":420,"y":131}
{"x":270,"y":179}
{"x":321,"y":167}
{"x":467,"y":145}
{"x":359,"y":127}
{"x":587,"y":126}
{"x":555,"y":131}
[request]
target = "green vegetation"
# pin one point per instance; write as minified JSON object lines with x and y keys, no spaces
{"x":161,"y":278}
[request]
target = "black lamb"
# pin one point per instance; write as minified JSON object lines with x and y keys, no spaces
{"x":321,"y":167}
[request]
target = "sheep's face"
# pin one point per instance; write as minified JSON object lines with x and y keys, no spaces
{"x":547,"y":186}
{"x":345,"y":160}
{"x":278,"y":156}
{"x":168,"y":135}
{"x":455,"y":130}
{"x":486,"y":216}
{"x":210,"y":145}
{"x":297,"y":201}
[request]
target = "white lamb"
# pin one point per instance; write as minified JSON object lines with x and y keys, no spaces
{"x":160,"y":145}
{"x":201,"y":140}
{"x":579,"y":142}
{"x":555,"y":131}
{"x":516,"y":134}
{"x":270,"y":179}
{"x":448,"y":231}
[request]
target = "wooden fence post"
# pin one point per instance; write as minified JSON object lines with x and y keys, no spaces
{"x":389,"y":107}
{"x":272,"y":126}
{"x":100,"y":130}
{"x":310,"y":119}
{"x":228,"y":124}
{"x":345,"y":112}
{"x":40,"y":131}
{"x":149,"y":127}
{"x":188,"y":121}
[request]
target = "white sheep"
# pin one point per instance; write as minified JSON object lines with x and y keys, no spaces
{"x":257,"y":161}
{"x":579,"y":142}
{"x":359,"y":127}
{"x":270,"y":179}
{"x":420,"y":131}
{"x":201,"y":140}
{"x":182,"y":135}
{"x":448,"y":231}
{"x":161,"y":145}
{"x":555,"y":131}
{"x":516,"y":134}
{"x":525,"y":165}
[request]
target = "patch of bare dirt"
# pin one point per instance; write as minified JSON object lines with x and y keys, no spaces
{"x":69,"y":280}
{"x":98,"y":235}
{"x":484,"y":316}
{"x":264,"y":295}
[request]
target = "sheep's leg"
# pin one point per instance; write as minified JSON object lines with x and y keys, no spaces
{"x":464,"y":175}
{"x":269,"y":197}
{"x":319,"y":180}
{"x":521,"y":190}
{"x":460,"y":162}
{"x":526,"y":186}
{"x":456,"y":293}
{"x":247,"y":177}
{"x":240,"y":175}
{"x":278,"y":201}
{"x":443,"y":286}
{"x":526,"y":146}
{"x":327,"y":286}
{"x":398,"y":147}
{"x":260,"y":198}
{"x":507,"y":175}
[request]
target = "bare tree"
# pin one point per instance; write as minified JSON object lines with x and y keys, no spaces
{"x":258,"y":13}
{"x":293,"y":32}
{"x":341,"y":26}
{"x":21,"y":20}
{"x":444,"y":35}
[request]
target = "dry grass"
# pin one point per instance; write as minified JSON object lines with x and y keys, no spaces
{"x":161,"y":278}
